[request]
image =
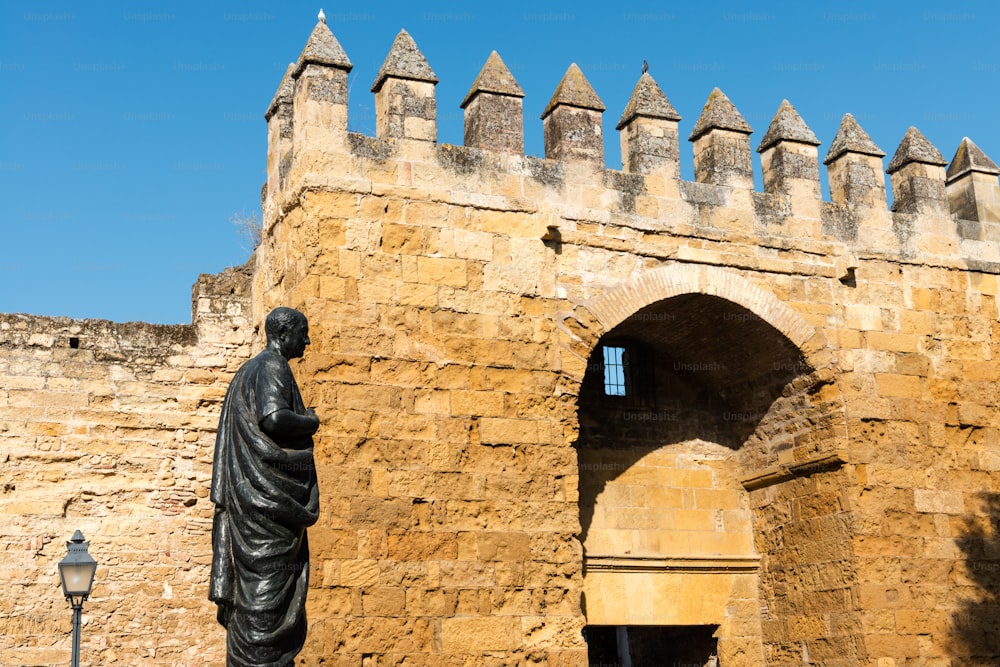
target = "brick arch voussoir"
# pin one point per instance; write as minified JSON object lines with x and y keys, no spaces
{"x":587,"y":322}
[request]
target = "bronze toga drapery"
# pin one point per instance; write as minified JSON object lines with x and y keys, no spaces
{"x":266,"y":495}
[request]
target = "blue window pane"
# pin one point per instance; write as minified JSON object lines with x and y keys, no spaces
{"x":614,"y":371}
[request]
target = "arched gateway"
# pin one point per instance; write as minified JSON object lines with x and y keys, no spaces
{"x":699,"y":388}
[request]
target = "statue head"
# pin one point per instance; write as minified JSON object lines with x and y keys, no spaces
{"x":287,"y":332}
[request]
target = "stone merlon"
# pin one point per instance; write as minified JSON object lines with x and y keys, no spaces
{"x":790,"y":165}
{"x":493,"y":78}
{"x":851,"y":138}
{"x":405,"y":61}
{"x":405,"y":103}
{"x":855,"y":167}
{"x":575,"y":91}
{"x":494,"y":113}
{"x":647,"y":101}
{"x":285,"y":93}
{"x":968,"y":158}
{"x":322,"y":48}
{"x":572,"y":121}
{"x":648,"y":128}
{"x":917,"y":174}
{"x":972,"y":189}
{"x":719,"y":114}
{"x":914,"y":148}
{"x":787,"y":125}
{"x":721,"y":138}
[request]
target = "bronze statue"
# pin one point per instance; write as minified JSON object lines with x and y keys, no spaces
{"x":265,"y":494}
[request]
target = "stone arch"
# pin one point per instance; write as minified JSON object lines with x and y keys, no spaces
{"x":590,"y":319}
{"x":614,"y":306}
{"x":793,"y":429}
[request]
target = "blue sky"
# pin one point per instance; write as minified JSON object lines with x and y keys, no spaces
{"x":132,"y":132}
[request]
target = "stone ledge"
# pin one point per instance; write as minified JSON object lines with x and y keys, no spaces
{"x":706,"y":564}
{"x":783,"y":473}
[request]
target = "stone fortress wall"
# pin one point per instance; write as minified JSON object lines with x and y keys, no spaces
{"x":799,"y":469}
{"x":109,"y":428}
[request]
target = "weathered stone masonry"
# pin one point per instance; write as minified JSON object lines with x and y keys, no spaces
{"x":804,"y":464}
{"x":109,"y":427}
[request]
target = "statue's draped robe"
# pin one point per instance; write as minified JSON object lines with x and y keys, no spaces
{"x":265,"y":495}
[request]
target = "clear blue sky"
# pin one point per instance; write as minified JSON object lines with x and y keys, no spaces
{"x":131,"y":132}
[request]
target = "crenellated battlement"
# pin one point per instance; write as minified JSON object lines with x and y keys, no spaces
{"x":949,"y":216}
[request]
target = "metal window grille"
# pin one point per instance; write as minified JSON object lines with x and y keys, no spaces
{"x":616,"y":371}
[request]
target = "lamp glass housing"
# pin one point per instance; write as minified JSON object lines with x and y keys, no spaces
{"x":77,"y":569}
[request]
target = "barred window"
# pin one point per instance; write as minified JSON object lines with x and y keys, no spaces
{"x":616,"y":370}
{"x":628,"y":372}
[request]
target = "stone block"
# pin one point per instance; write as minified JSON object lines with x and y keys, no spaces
{"x":472,"y":635}
{"x":397,"y":238}
{"x":423,"y":546}
{"x":503,"y":545}
{"x":431,"y":603}
{"x":498,"y":430}
{"x":903,"y":386}
{"x":383,"y":601}
{"x":440,"y":271}
{"x":939,"y":502}
{"x":480,"y":403}
{"x":356,"y":573}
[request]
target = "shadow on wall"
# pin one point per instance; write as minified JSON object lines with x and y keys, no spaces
{"x":976,"y":626}
{"x":704,"y":369}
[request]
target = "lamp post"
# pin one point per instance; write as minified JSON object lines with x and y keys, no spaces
{"x":77,"y":573}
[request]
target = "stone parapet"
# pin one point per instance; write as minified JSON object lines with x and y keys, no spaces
{"x":790,"y":208}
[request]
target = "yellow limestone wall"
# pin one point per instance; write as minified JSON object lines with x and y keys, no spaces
{"x":109,"y":428}
{"x":816,"y":476}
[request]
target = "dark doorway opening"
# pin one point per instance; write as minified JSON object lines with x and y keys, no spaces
{"x":652,"y":646}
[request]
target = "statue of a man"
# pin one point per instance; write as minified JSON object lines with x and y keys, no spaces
{"x":265,"y":494}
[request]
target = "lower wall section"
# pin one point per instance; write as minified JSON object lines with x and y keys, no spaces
{"x":109,"y":428}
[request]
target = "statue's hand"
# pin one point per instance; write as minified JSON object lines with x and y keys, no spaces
{"x":313,"y":417}
{"x":285,"y":423}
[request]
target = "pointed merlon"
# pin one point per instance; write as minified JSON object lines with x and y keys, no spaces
{"x":969,"y":157}
{"x":494,"y":78}
{"x":647,"y":101}
{"x":851,"y":139}
{"x":575,"y":91}
{"x":405,"y":61}
{"x":787,"y":126}
{"x":914,"y":148}
{"x":322,"y":48}
{"x":719,"y":114}
{"x":286,"y":90}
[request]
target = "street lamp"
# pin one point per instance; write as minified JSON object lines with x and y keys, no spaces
{"x":77,"y":573}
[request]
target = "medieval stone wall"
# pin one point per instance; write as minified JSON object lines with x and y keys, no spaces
{"x":108,"y":428}
{"x":808,"y":478}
